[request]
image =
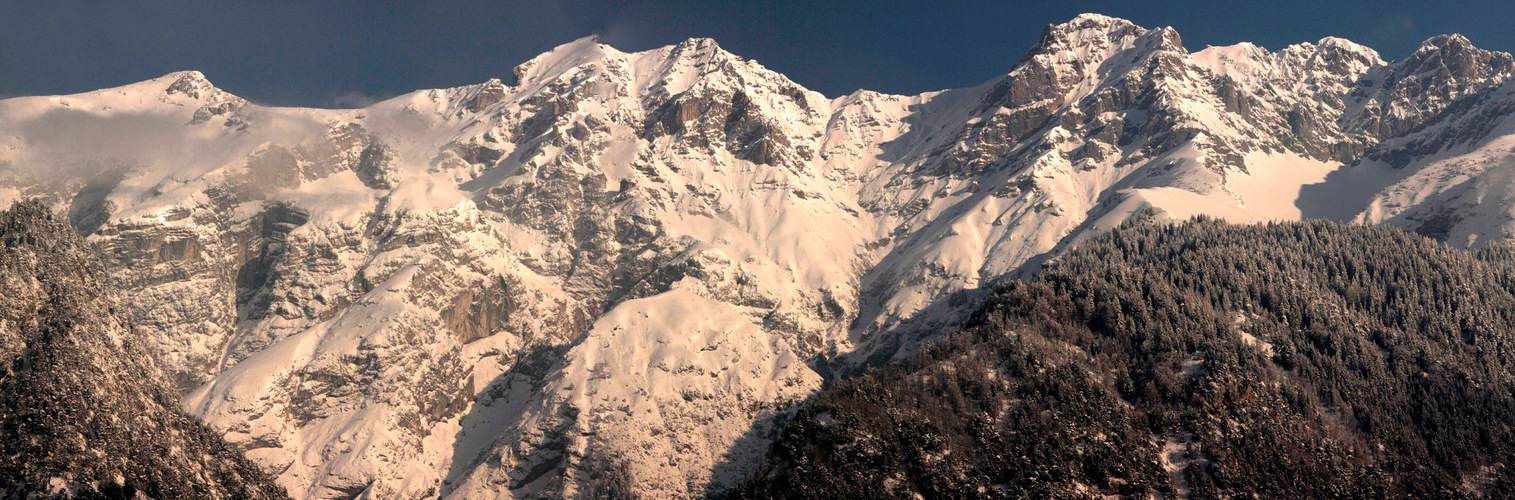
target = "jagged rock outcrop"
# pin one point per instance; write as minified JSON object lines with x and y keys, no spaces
{"x":84,"y":411}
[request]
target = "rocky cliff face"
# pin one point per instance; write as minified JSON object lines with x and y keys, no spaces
{"x":484,"y":289}
{"x":83,"y":407}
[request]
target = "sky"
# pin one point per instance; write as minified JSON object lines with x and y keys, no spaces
{"x":343,"y":53}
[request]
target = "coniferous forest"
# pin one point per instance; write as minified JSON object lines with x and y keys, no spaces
{"x":1202,"y":360}
{"x":85,"y":411}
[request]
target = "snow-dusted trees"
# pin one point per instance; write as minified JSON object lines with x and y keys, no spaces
{"x":84,"y":410}
{"x":1286,"y":360}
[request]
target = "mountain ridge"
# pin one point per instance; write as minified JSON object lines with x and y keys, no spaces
{"x":345,"y":291}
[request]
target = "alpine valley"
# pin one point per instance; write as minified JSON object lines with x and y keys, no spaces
{"x":625,"y":272}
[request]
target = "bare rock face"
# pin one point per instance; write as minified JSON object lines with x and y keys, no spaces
{"x":487,"y":95}
{"x":376,"y":167}
{"x":216,"y":103}
{"x":84,"y":410}
{"x":480,"y":309}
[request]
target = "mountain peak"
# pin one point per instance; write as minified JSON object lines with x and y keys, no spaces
{"x":1086,"y":25}
{"x":700,"y":43}
{"x":191,"y":74}
{"x":699,"y":52}
{"x":562,"y":58}
{"x":1450,"y":41}
{"x":590,"y":42}
{"x":1341,"y":48}
{"x":192,"y":84}
{"x":1457,"y":56}
{"x":1085,"y":36}
{"x":1095,"y":19}
{"x":1342,"y":43}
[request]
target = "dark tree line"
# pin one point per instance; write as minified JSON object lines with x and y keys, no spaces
{"x":1286,"y":360}
{"x":84,"y":411}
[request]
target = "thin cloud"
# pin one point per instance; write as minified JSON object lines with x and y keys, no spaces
{"x":1394,"y":27}
{"x":355,"y":100}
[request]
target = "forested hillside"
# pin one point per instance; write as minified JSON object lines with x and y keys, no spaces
{"x":85,"y":412}
{"x":1203,"y":360}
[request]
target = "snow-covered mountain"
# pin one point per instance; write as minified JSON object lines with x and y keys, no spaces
{"x":628,"y":265}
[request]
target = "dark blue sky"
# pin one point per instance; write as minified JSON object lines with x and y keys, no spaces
{"x":325,"y":53}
